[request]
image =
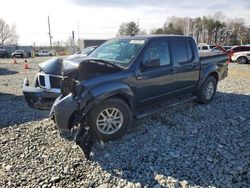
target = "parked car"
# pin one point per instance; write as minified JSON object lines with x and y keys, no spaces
{"x":203,"y":47}
{"x":19,"y":53}
{"x":241,"y":57}
{"x":236,"y":49}
{"x":219,"y":50}
{"x":44,"y":53}
{"x":86,"y":51}
{"x":126,"y":78}
{"x":4,"y":53}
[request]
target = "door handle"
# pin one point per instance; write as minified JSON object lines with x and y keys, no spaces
{"x":193,"y":66}
{"x":171,"y":71}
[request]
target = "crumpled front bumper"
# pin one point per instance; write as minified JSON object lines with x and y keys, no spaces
{"x":62,"y":111}
{"x":37,"y":97}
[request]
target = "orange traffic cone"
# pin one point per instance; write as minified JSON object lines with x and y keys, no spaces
{"x":26,"y":66}
{"x":14,"y":60}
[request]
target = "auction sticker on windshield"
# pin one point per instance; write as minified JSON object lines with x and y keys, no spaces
{"x":137,"y":41}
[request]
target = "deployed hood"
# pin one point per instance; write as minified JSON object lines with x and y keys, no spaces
{"x":55,"y":66}
{"x":52,"y":66}
{"x":78,"y":68}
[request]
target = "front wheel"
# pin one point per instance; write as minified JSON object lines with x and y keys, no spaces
{"x":208,"y":90}
{"x":110,"y":119}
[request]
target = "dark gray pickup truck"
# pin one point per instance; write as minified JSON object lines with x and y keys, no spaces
{"x":131,"y":77}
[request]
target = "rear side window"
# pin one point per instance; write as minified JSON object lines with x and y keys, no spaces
{"x":246,"y":48}
{"x":158,"y":50}
{"x":189,"y":50}
{"x":183,"y":51}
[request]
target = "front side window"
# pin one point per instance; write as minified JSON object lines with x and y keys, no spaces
{"x":158,"y":50}
{"x":118,"y":51}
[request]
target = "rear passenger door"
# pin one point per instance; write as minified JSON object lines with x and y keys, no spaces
{"x":186,"y":66}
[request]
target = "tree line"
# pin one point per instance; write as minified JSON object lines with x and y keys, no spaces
{"x":210,"y":29}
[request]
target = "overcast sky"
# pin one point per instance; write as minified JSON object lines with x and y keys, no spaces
{"x":102,"y":18}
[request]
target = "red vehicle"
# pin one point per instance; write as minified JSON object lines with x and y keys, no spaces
{"x":237,"y":49}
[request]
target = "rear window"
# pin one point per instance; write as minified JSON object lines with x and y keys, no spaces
{"x":204,"y":48}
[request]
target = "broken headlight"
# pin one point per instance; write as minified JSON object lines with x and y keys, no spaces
{"x":68,"y":85}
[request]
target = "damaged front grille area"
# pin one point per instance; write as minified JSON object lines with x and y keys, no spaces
{"x":55,"y":82}
{"x":42,"y":80}
{"x":49,"y":82}
{"x":67,"y":86}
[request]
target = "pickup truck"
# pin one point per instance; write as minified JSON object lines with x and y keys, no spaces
{"x":130,"y":77}
{"x":19,"y":53}
{"x":203,"y":47}
{"x":44,"y":53}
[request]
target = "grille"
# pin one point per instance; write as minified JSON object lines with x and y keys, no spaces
{"x":55,"y":82}
{"x":42,"y":80}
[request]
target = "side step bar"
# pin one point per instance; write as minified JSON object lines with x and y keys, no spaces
{"x":162,"y":108}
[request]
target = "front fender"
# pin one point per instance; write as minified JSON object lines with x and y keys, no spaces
{"x":112,"y":89}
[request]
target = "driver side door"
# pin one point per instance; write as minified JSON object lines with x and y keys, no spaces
{"x":158,"y":81}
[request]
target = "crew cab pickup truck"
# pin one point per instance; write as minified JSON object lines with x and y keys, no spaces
{"x":130,"y":77}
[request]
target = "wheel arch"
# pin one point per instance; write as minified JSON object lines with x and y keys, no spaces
{"x":241,"y":57}
{"x":214,"y":74}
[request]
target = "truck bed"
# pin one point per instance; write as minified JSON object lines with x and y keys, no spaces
{"x":208,"y":54}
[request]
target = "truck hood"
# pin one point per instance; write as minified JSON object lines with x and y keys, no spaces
{"x":52,"y":66}
{"x":56,"y":66}
{"x":78,"y":68}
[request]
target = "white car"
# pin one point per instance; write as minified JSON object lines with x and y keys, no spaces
{"x":203,"y":47}
{"x":241,"y":57}
{"x":44,"y":53}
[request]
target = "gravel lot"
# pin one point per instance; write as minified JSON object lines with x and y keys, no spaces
{"x":191,"y":145}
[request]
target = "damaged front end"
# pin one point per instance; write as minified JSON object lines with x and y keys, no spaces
{"x":69,"y":111}
{"x":37,"y":97}
{"x":46,"y":85}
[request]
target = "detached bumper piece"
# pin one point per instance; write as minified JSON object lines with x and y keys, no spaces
{"x":37,"y":97}
{"x":85,"y":141}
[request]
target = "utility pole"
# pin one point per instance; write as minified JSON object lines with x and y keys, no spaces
{"x":78,"y":30}
{"x":50,"y":37}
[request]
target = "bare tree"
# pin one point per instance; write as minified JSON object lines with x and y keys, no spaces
{"x":8,"y":34}
{"x":130,"y":28}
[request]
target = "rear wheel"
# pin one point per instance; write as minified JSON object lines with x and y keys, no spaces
{"x":208,"y":90}
{"x":242,"y":60}
{"x":110,"y":119}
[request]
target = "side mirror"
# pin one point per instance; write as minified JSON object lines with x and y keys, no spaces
{"x":152,"y":63}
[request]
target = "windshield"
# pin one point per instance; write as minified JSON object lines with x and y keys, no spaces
{"x":118,"y":51}
{"x":88,"y":50}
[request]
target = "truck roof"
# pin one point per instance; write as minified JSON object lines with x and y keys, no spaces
{"x":141,"y":37}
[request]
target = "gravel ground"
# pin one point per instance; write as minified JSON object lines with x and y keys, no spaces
{"x":191,"y":145}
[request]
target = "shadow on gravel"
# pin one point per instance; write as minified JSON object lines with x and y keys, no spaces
{"x":4,"y":71}
{"x":205,"y":145}
{"x":14,"y":110}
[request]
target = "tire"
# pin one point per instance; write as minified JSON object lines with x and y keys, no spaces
{"x":107,"y":131}
{"x":208,"y":90}
{"x":242,"y":60}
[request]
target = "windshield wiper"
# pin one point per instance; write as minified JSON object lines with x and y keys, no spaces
{"x":105,"y":62}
